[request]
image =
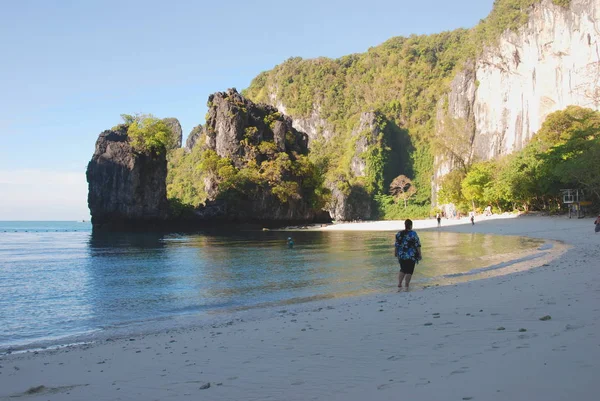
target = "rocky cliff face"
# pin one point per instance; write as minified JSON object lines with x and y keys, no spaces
{"x":126,"y":188}
{"x":235,"y":129}
{"x":355,"y":203}
{"x":193,"y":137}
{"x":349,"y":204}
{"x":549,"y":64}
{"x":233,"y":118}
{"x":314,"y":125}
{"x":175,"y":127}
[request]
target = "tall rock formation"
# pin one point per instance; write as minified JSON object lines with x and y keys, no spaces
{"x":548,"y":64}
{"x":126,"y":188}
{"x":501,"y":96}
{"x":354,"y":202}
{"x":175,"y":127}
{"x":249,"y":134}
{"x":315,"y":126}
{"x":193,"y":138}
{"x":231,"y":118}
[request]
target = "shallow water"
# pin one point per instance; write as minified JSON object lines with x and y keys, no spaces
{"x":59,"y":279}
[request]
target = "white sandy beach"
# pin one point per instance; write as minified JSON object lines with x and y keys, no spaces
{"x":480,"y":340}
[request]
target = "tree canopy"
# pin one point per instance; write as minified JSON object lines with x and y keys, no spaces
{"x":148,"y":133}
{"x":562,"y":154}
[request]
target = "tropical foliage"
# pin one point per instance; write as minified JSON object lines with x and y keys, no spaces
{"x":564,"y":153}
{"x":403,"y":80}
{"x":148,"y":133}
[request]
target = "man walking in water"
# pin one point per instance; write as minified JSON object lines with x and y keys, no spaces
{"x":408,"y":251}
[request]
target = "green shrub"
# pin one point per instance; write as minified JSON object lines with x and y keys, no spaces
{"x":148,"y":133}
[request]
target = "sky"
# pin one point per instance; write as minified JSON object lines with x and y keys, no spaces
{"x":70,"y":68}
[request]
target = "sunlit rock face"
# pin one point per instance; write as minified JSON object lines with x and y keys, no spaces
{"x":549,"y":64}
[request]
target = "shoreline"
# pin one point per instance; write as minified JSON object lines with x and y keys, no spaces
{"x":262,"y":311}
{"x":347,"y":348}
{"x":420,"y":224}
{"x":515,"y":261}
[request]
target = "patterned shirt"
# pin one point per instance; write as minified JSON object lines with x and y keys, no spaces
{"x":406,"y":245}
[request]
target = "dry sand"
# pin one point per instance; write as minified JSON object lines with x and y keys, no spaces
{"x":480,"y":340}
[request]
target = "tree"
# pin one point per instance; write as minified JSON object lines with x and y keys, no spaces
{"x":450,"y":188}
{"x":477,"y":182}
{"x":402,"y":188}
{"x":148,"y":133}
{"x":572,"y":139}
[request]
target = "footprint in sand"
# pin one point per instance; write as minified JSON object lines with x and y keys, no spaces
{"x":423,"y":382}
{"x":37,"y":390}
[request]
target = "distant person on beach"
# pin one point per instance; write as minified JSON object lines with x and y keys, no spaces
{"x":597,"y":223}
{"x":472,"y":218}
{"x":439,"y":219}
{"x":408,"y":251}
{"x":290,"y":242}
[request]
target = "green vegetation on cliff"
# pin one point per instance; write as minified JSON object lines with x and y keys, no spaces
{"x":562,"y":3}
{"x":403,"y":80}
{"x":564,"y":153}
{"x":148,"y":133}
{"x":247,"y":155}
{"x":203,"y":175}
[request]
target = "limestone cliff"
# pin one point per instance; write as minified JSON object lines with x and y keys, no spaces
{"x":548,"y":64}
{"x":314,"y":125}
{"x":126,"y":188}
{"x":231,"y":118}
{"x":354,"y":203}
{"x":238,"y":129}
{"x":193,"y":138}
{"x":175,"y":127}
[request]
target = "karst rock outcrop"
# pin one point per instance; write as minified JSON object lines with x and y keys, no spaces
{"x":353,"y":202}
{"x":235,"y":129}
{"x":126,"y":188}
{"x":505,"y":95}
{"x":175,"y":127}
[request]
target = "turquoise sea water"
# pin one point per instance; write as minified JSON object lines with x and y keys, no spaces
{"x":59,"y":279}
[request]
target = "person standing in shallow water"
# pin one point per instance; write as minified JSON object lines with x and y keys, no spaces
{"x":408,"y":251}
{"x":597,"y":223}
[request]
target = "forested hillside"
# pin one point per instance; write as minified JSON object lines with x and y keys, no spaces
{"x":378,"y":123}
{"x":403,"y":79}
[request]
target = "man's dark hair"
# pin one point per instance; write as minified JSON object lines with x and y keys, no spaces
{"x":408,"y":224}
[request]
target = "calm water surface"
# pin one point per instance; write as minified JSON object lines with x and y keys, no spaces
{"x":59,"y":279}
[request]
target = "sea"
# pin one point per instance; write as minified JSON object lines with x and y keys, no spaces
{"x":61,"y":281}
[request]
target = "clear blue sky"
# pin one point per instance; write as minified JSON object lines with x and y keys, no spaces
{"x":70,"y":68}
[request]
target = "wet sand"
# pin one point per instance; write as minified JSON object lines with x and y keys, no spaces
{"x":529,"y":335}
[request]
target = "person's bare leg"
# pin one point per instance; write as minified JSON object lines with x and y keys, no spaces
{"x":407,"y":280}
{"x":400,"y":277}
